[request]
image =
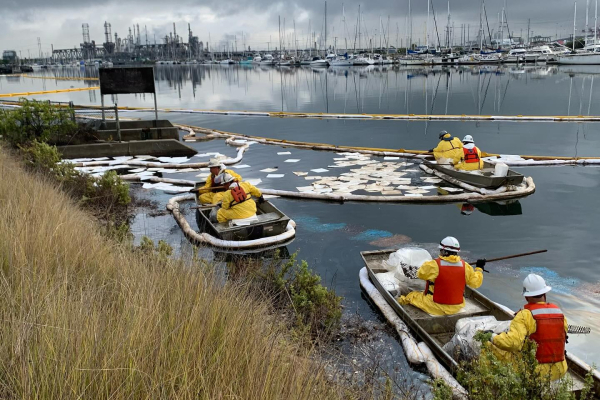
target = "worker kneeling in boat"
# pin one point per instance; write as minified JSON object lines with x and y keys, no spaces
{"x":446,"y":277}
{"x":471,"y":159}
{"x":237,"y":201}
{"x":542,"y":322}
{"x":216,"y":168}
{"x":449,"y":150}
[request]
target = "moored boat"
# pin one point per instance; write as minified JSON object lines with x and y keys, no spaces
{"x":436,"y":331}
{"x":483,"y":178}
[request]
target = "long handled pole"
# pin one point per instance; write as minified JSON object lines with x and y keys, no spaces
{"x":517,"y":255}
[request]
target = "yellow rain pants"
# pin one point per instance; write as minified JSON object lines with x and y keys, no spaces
{"x":241,"y":210}
{"x":215,"y":197}
{"x":470,"y":166}
{"x":449,"y":149}
{"x":429,"y":272}
{"x":507,"y":344}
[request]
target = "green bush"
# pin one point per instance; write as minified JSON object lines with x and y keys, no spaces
{"x":41,"y":157}
{"x":293,"y":286}
{"x":491,"y":378}
{"x":35,"y":121}
{"x":109,"y":187}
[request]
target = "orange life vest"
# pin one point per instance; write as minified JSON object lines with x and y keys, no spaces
{"x":471,"y":155}
{"x":449,"y":284}
{"x":239,"y":195}
{"x":550,"y":334}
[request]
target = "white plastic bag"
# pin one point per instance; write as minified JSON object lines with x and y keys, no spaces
{"x":406,"y":261}
{"x":389,"y":282}
{"x":462,"y":345}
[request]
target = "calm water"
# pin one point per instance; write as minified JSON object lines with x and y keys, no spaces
{"x":561,"y":216}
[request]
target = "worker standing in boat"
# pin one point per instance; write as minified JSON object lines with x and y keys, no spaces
{"x":449,"y":149}
{"x":237,"y":202}
{"x":446,"y":277}
{"x":471,"y":159}
{"x":216,"y":168}
{"x":542,"y":322}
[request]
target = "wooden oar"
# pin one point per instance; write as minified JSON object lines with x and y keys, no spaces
{"x":512,"y":256}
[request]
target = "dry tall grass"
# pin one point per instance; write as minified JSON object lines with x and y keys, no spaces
{"x":83,"y":317}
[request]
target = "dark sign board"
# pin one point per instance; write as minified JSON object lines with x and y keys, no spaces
{"x":126,"y":80}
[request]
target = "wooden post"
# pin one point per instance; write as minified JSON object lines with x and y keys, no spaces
{"x":117,"y":122}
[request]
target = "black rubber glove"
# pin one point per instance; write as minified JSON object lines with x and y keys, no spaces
{"x":480,"y":263}
{"x":430,"y":151}
{"x":261,"y":200}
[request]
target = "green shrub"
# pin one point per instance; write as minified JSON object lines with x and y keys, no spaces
{"x":41,"y":157}
{"x":488,"y":377}
{"x":109,"y":186}
{"x":35,"y":120}
{"x":293,"y":286}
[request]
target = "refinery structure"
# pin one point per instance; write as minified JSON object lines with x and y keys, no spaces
{"x":135,"y":46}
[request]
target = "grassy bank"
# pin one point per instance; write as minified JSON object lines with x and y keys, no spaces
{"x":86,"y":317}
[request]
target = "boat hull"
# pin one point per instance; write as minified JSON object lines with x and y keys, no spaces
{"x":435,"y":331}
{"x":274,"y":223}
{"x":579,"y":59}
{"x":486,"y":181}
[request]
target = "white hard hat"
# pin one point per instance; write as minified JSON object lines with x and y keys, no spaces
{"x":534,"y":285}
{"x":450,"y":243}
{"x":224,"y":178}
{"x":468,"y":139}
{"x":214,"y":162}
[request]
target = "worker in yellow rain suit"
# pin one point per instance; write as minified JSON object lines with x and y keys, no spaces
{"x":446,"y":277}
{"x":542,"y":322}
{"x":471,"y":159}
{"x":214,"y":196}
{"x":237,"y":202}
{"x":449,"y":150}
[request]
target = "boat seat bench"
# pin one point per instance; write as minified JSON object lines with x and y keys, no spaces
{"x":262,"y":218}
{"x":442,"y":324}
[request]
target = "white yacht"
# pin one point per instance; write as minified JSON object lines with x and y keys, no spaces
{"x":445,"y":59}
{"x":257,"y":59}
{"x":362,"y":60}
{"x":268,"y":60}
{"x":588,"y":58}
{"x":319,"y":62}
{"x":516,"y":55}
{"x":468,"y":59}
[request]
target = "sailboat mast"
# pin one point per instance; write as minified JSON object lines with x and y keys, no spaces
{"x":410,"y":24}
{"x":326,"y":29}
{"x":587,"y":8}
{"x":427,"y":28}
{"x":596,"y":24}
{"x":574,"y":25}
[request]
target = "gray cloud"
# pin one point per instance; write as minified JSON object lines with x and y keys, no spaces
{"x":59,"y":21}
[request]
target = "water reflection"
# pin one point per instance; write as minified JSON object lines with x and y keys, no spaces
{"x":483,"y":89}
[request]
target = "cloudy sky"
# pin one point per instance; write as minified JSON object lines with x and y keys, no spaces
{"x":58,"y":22}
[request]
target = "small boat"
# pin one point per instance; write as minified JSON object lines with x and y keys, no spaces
{"x":270,"y":222}
{"x":268,"y":60}
{"x":319,"y":62}
{"x":484,"y":178}
{"x":436,"y":331}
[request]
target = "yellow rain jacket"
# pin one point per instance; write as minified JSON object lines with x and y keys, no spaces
{"x":215,"y":197}
{"x":429,"y":272}
{"x":507,"y":344}
{"x":470,"y":166}
{"x":449,"y":148}
{"x":230,"y":210}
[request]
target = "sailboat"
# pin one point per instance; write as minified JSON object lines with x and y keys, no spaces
{"x":319,"y":62}
{"x":591,"y":54}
